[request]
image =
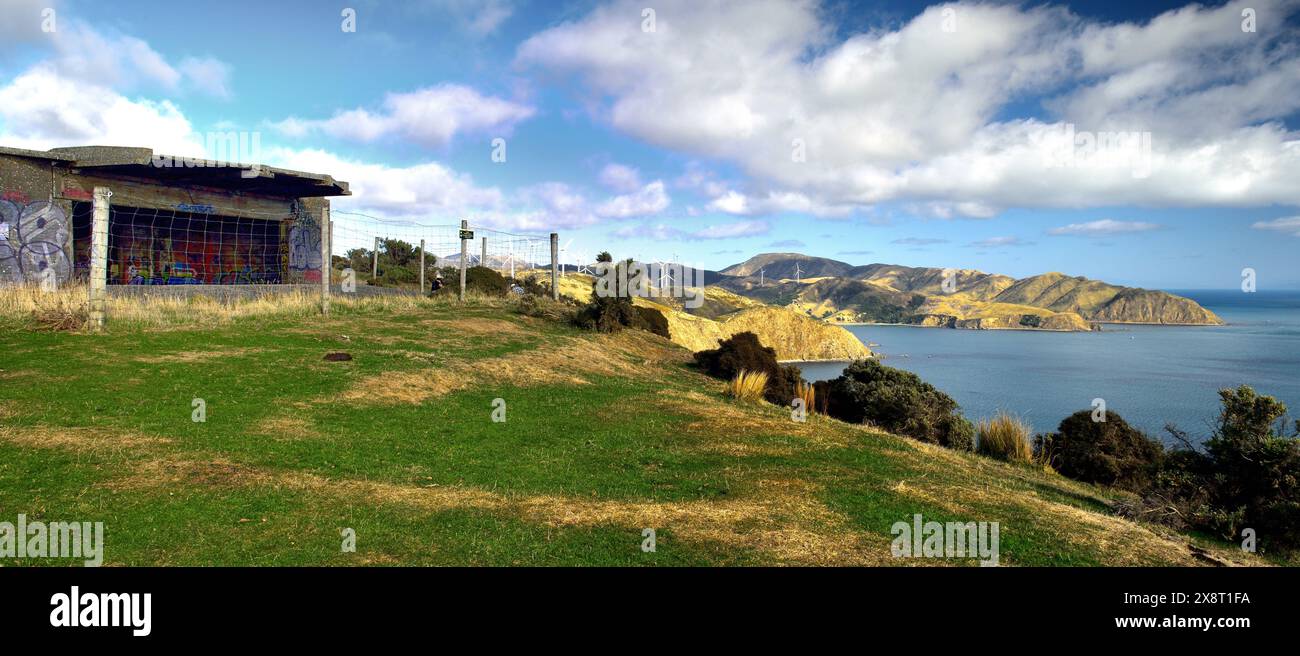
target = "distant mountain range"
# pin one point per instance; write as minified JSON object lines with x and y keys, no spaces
{"x":958,"y":298}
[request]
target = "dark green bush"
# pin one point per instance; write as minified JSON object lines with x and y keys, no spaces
{"x":899,"y":402}
{"x":610,"y":312}
{"x":740,"y":352}
{"x":399,"y":264}
{"x":654,"y":321}
{"x":485,"y":281}
{"x":1249,"y":474}
{"x":1108,"y":452}
{"x":744,"y":352}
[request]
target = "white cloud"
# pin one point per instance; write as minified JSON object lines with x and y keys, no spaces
{"x":209,"y":74}
{"x":478,"y":17}
{"x":735,"y":202}
{"x":1289,"y":225}
{"x":662,"y":232}
{"x":917,"y":113}
{"x":736,"y":229}
{"x":122,"y":62}
{"x":41,"y":109}
{"x":650,"y":199}
{"x":620,"y":178}
{"x":431,"y":116}
{"x":1103,"y":227}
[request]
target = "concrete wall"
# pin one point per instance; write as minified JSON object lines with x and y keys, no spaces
{"x":35,"y":231}
{"x":36,"y":206}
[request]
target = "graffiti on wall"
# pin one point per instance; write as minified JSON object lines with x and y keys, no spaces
{"x":33,"y":241}
{"x":304,"y":246}
{"x":153,"y":248}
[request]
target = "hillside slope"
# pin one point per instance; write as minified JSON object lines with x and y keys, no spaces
{"x":793,"y":335}
{"x":959,"y":298}
{"x":604,"y":436}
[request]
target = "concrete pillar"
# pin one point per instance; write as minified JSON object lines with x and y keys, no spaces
{"x":326,"y":266}
{"x":99,"y":257}
{"x":555,"y":265}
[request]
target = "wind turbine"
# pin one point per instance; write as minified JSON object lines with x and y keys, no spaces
{"x":564,"y":249}
{"x":797,"y":279}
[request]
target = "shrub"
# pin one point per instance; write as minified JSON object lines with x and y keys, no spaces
{"x":653,"y":320}
{"x":534,"y":286}
{"x":399,"y":264}
{"x":743,"y":352}
{"x":959,"y":431}
{"x":1109,"y":452}
{"x":897,"y":401}
{"x":612,"y":312}
{"x":485,"y":281}
{"x":1005,"y":437}
{"x":1248,"y":476}
{"x":748,"y":386}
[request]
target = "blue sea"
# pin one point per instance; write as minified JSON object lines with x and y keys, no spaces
{"x":1150,"y":375}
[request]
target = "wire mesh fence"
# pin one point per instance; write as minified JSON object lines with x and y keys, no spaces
{"x":237,"y":247}
{"x":356,"y":237}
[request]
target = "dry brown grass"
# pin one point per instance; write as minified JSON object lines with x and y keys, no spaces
{"x":285,"y":427}
{"x":1006,"y":438}
{"x":185,"y":357}
{"x":805,"y":392}
{"x":68,"y":307}
{"x":748,"y":386}
{"x":783,"y":518}
{"x":78,"y":439}
{"x":627,"y":354}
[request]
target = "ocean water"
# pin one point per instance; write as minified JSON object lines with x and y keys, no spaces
{"x":1150,"y":375}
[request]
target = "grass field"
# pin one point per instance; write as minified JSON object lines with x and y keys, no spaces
{"x":604,"y":436}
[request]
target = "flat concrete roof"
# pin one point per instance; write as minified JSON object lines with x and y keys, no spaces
{"x":175,"y":170}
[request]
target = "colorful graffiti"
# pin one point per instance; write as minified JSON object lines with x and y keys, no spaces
{"x":164,"y":248}
{"x":304,"y":250}
{"x":33,"y":239}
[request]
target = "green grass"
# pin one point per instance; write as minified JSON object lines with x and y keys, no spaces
{"x":98,"y":428}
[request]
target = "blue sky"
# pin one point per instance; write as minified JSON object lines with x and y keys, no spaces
{"x":893,"y":132}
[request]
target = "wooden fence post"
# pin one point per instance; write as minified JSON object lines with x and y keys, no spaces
{"x":421,"y":266}
{"x":555,"y":265}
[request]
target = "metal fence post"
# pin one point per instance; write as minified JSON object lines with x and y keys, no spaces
{"x":464,"y":257}
{"x":99,"y":257}
{"x":555,"y":265}
{"x":326,"y":265}
{"x":421,"y":266}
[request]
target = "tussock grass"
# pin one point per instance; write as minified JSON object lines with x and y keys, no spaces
{"x":805,"y":391}
{"x":1006,"y":438}
{"x":748,"y":386}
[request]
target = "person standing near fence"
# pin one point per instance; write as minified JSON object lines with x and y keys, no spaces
{"x":436,"y":284}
